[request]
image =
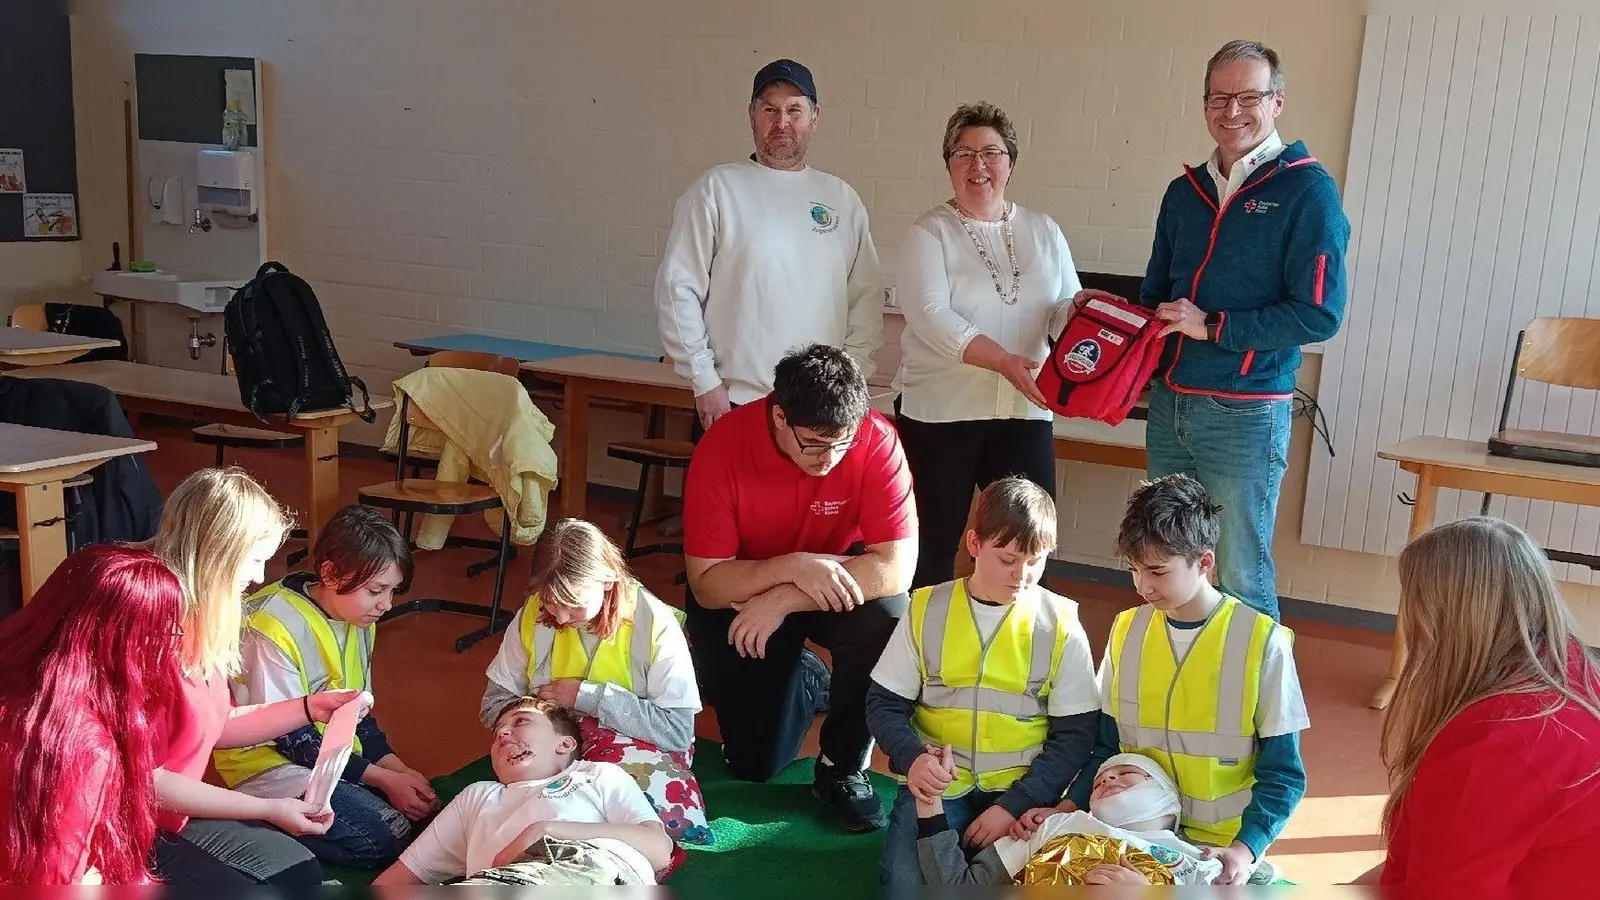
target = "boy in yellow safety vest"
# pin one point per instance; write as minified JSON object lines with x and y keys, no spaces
{"x":1203,"y":684}
{"x":994,"y":667}
{"x":314,"y":631}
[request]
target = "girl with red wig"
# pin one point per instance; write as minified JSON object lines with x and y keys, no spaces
{"x":86,"y":672}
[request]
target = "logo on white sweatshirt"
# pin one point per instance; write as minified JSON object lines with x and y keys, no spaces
{"x":827,"y":221}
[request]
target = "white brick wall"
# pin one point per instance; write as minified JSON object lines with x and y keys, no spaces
{"x":509,"y":167}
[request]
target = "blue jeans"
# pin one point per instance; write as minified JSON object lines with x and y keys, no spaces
{"x":899,"y":865}
{"x":367,"y":833}
{"x":1238,"y":449}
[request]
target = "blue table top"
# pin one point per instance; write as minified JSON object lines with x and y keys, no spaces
{"x":526,"y":351}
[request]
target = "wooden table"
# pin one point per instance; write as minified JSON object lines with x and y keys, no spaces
{"x":213,"y":397}
{"x":524,"y":351}
{"x":584,"y":378}
{"x":33,"y":464}
{"x":26,"y":347}
{"x":610,"y":377}
{"x":1468,"y":466}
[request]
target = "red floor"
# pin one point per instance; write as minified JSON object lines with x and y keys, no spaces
{"x":428,"y":694}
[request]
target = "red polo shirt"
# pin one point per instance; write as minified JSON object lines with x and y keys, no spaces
{"x":746,"y":500}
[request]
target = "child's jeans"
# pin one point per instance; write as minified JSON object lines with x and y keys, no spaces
{"x":899,"y":865}
{"x":367,"y":833}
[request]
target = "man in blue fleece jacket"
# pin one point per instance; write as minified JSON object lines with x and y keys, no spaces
{"x":1247,"y":266}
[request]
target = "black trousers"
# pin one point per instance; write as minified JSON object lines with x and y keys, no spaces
{"x":226,"y":852}
{"x":949,"y":460}
{"x":761,"y":703}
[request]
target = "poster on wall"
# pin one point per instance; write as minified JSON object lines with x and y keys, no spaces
{"x":13,"y":177}
{"x":49,"y":216}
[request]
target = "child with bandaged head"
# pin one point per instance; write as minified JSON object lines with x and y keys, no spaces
{"x":1133,"y":801}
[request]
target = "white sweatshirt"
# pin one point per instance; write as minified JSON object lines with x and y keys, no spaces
{"x":760,"y":261}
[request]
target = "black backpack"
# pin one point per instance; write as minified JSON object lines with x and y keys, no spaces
{"x":283,"y":354}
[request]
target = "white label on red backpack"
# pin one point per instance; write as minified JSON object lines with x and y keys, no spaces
{"x":1083,"y":357}
{"x":1118,"y":313}
{"x":1112,"y":337}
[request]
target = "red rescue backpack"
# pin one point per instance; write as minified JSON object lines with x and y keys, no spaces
{"x":1102,"y":360}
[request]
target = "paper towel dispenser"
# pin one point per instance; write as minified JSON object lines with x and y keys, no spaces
{"x":226,"y":181}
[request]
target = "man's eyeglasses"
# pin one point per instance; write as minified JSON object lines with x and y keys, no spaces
{"x":810,"y":449}
{"x":990,"y":156}
{"x":1245,"y":99}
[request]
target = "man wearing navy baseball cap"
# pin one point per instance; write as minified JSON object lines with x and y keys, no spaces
{"x":767,"y":254}
{"x":764,"y":255}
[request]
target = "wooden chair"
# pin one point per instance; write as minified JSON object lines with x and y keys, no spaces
{"x":650,"y":453}
{"x":422,"y":462}
{"x":1563,"y":352}
{"x":411,"y":496}
{"x":30,"y":316}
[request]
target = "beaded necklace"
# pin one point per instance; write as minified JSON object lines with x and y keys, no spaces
{"x":1009,"y":298}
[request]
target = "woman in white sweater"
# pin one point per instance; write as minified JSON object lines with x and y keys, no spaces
{"x":981,"y":282}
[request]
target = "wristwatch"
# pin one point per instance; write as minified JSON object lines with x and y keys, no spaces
{"x":1213,"y":326}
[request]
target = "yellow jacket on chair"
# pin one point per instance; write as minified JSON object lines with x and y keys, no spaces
{"x":987,"y":702}
{"x":489,"y":429}
{"x":303,"y":633}
{"x":1198,"y":717}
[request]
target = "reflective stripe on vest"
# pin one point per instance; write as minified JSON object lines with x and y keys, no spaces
{"x":297,"y":627}
{"x":988,"y":701}
{"x":623,"y":659}
{"x":1196,"y":717}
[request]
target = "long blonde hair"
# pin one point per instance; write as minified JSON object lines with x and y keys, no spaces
{"x":571,"y":555}
{"x":1483,"y":617}
{"x":208,"y":527}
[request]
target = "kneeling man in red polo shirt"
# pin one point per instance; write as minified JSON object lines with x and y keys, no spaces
{"x":798,"y":523}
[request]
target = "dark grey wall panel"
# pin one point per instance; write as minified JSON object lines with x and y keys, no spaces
{"x":36,"y":105}
{"x":181,"y":97}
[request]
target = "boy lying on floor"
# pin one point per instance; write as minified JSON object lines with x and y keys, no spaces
{"x":546,"y":819}
{"x":1134,"y":802}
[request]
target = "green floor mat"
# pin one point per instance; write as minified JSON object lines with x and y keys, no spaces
{"x":768,"y":836}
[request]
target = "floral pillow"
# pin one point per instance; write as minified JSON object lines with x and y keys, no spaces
{"x":664,"y":777}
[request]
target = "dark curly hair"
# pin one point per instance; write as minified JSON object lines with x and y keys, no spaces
{"x":821,"y":388}
{"x":1170,"y":516}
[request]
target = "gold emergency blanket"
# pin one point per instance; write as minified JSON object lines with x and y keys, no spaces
{"x":1064,"y":860}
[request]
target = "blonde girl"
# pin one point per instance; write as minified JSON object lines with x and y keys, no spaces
{"x":592,"y":639}
{"x":218,"y":529}
{"x":1493,"y":738}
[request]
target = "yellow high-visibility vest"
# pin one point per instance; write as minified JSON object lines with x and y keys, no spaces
{"x":1196,"y":717}
{"x":986,"y":700}
{"x":301,"y":630}
{"x":624,"y":659}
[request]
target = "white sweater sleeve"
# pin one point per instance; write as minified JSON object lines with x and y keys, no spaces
{"x":864,"y":325}
{"x":1070,"y":284}
{"x":682,"y":284}
{"x":924,"y":291}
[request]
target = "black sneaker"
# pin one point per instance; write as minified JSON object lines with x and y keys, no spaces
{"x":852,"y":797}
{"x":817,"y":677}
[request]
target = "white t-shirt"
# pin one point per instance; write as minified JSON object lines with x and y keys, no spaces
{"x":760,"y":261}
{"x":1281,"y":708}
{"x":1072,"y":692}
{"x":669,"y":682}
{"x":1179,"y":856}
{"x":472,"y":830}
{"x":947,"y":295}
{"x":1268,"y":150}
